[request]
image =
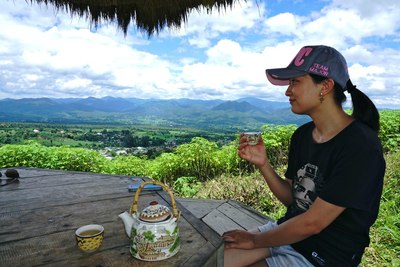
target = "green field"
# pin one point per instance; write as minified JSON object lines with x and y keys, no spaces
{"x":199,"y":165}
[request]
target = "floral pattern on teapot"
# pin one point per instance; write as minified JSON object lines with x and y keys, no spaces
{"x":153,"y":243}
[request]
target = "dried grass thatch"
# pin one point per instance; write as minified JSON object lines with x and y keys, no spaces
{"x":150,"y":16}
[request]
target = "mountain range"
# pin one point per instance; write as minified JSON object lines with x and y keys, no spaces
{"x":245,"y":112}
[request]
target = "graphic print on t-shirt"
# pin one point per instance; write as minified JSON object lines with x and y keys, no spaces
{"x":305,"y":184}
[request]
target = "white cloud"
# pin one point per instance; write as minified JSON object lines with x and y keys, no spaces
{"x":75,"y":83}
{"x":202,"y":28}
{"x":356,"y":28}
{"x":222,"y":55}
{"x":228,"y":69}
{"x":369,"y":8}
{"x":284,"y":23}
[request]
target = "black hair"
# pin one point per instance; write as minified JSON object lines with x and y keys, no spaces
{"x":364,"y":109}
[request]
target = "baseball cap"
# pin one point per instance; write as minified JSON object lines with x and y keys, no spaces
{"x":320,"y":60}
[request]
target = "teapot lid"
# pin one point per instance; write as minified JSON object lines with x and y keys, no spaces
{"x":155,"y":213}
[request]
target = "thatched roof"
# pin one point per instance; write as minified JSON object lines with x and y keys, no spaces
{"x":150,"y":16}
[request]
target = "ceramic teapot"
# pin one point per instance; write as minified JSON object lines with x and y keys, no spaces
{"x":154,"y":232}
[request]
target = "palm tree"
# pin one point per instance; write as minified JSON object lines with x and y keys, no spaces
{"x":149,"y":16}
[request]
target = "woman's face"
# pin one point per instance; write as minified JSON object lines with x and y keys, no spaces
{"x":303,"y":94}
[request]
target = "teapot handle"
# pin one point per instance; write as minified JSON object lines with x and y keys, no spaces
{"x":134,"y":206}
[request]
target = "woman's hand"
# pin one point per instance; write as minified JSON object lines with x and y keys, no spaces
{"x":239,"y":239}
{"x":254,"y":154}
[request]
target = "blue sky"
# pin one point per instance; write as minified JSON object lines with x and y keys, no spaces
{"x":44,"y":53}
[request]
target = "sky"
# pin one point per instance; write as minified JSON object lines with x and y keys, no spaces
{"x":222,"y":55}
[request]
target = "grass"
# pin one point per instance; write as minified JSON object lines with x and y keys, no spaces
{"x":384,"y":249}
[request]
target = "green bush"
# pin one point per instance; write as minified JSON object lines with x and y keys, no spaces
{"x":231,"y":163}
{"x":76,"y":159}
{"x":277,"y":139}
{"x":201,"y":169}
{"x":198,"y":159}
{"x":59,"y":158}
{"x":128,"y":165}
{"x":33,"y":155}
{"x":167,"y":167}
{"x":389,"y":132}
{"x":186,"y":186}
{"x":248,"y":189}
{"x":385,"y":234}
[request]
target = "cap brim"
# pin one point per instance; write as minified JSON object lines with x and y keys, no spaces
{"x":282,"y":76}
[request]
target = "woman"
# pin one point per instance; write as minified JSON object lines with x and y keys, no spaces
{"x":334,"y":177}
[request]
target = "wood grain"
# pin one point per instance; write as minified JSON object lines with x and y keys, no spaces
{"x":39,"y":216}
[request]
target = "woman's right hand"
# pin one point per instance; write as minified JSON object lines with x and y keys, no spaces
{"x":255,"y":154}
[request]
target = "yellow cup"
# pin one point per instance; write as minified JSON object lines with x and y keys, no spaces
{"x":89,"y":237}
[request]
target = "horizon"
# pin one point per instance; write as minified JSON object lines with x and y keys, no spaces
{"x":120,"y":97}
{"x":218,"y":56}
{"x":346,"y":104}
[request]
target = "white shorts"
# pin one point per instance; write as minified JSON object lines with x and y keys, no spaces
{"x":284,"y":255}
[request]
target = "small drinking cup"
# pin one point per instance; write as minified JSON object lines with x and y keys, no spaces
{"x":89,"y":237}
{"x":252,"y":137}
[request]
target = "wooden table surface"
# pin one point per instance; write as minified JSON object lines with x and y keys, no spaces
{"x":40,"y":213}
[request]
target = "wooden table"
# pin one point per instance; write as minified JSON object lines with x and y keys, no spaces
{"x":40,"y":213}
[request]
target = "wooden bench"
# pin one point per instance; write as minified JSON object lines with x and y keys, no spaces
{"x":224,"y":215}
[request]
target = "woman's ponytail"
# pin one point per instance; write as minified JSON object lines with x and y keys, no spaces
{"x":364,"y":109}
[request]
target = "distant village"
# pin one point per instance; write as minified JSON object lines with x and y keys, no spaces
{"x":109,"y":152}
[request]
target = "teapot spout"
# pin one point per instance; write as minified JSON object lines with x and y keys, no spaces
{"x":128,"y":222}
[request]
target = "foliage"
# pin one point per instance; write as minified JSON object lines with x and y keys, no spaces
{"x":156,"y":140}
{"x":32,"y":155}
{"x":186,"y":186}
{"x":205,"y":160}
{"x":198,"y":159}
{"x":230,"y":162}
{"x":249,"y":189}
{"x":277,"y":139}
{"x":389,"y":133}
{"x":165,"y":168}
{"x":385,"y":234}
{"x":128,"y":165}
{"x":201,"y":168}
{"x":61,"y":158}
{"x":77,"y":159}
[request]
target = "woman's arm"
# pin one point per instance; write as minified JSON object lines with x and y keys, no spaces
{"x":257,"y":155}
{"x":317,"y":218}
{"x":282,"y":188}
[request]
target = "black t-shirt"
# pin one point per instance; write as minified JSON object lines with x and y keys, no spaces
{"x":346,"y":171}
